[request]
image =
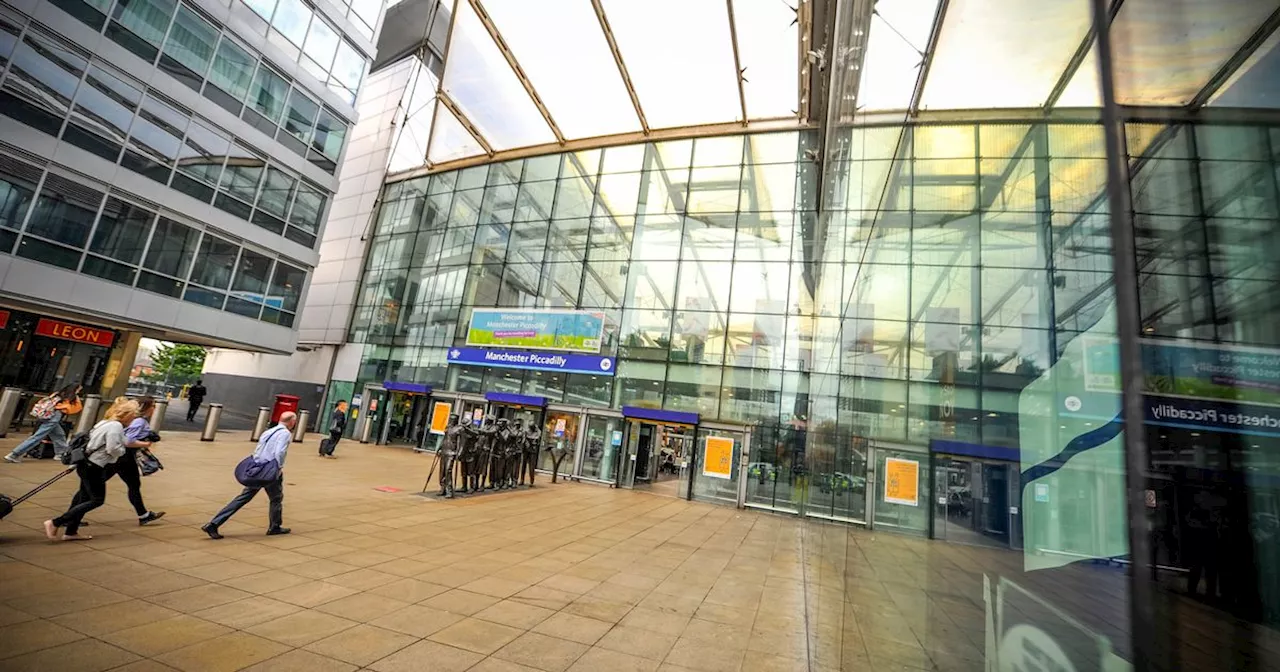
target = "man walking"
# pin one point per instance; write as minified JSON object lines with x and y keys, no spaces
{"x":274,"y":445}
{"x":337,"y":425}
{"x":195,"y":397}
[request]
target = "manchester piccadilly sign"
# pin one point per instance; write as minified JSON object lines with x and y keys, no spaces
{"x":517,"y":359}
{"x":560,"y":330}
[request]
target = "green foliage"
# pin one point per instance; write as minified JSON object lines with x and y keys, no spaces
{"x":179,"y":362}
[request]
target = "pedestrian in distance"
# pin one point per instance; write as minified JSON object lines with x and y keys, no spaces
{"x":195,"y":397}
{"x":136,"y":436}
{"x":106,"y":445}
{"x":337,"y":425}
{"x":50,"y":411}
{"x":273,"y":446}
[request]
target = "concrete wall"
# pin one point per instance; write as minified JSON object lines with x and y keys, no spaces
{"x":326,"y":310}
{"x":241,"y":396}
{"x":302,"y":367}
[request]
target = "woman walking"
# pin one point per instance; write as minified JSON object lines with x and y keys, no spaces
{"x":135,"y":436}
{"x":64,"y":402}
{"x":106,"y":446}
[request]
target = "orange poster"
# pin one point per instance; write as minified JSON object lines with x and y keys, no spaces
{"x":440,"y":417}
{"x":717,"y":457}
{"x":901,"y":481}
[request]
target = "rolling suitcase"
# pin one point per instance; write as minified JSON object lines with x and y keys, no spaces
{"x":6,"y":504}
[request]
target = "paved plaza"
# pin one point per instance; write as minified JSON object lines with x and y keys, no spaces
{"x":562,"y":577}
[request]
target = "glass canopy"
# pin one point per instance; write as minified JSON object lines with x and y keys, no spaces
{"x":557,"y":75}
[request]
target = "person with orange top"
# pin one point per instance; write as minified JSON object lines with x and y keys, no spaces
{"x":50,"y":411}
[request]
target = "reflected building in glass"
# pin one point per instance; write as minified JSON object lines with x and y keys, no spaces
{"x":959,"y":271}
{"x":166,"y":171}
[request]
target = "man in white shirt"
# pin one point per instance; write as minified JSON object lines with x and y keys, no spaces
{"x":272,"y":445}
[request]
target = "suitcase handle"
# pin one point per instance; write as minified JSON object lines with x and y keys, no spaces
{"x":42,"y":486}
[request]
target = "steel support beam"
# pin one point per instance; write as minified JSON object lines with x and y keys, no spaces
{"x":1242,"y":55}
{"x":1148,"y":653}
{"x":1082,"y":52}
{"x":622,"y":66}
{"x":737,"y":60}
{"x":448,"y":103}
{"x":935,"y":32}
{"x":496,"y":34}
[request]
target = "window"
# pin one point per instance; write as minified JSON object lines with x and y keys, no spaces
{"x":264,"y":8}
{"x":155,"y":140}
{"x":100,"y":118}
{"x":214,"y":263}
{"x":321,"y":45}
{"x":286,"y":287}
{"x":17,"y":187}
{"x":244,"y":171}
{"x":122,"y":231}
{"x":140,"y":25}
{"x":41,"y":83}
{"x":231,"y":75}
{"x":302,"y":116}
{"x":330,"y":132}
{"x":189,"y":48}
{"x":250,"y":285}
{"x":63,"y":214}
{"x":91,"y":12}
{"x":172,"y":248}
{"x":305,"y":215}
{"x":267,"y":97}
{"x":276,"y":192}
{"x":9,"y":32}
{"x":120,"y":236}
{"x":291,"y":19}
{"x":347,"y":70}
{"x":203,"y":153}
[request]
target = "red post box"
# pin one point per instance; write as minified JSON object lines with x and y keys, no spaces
{"x":285,"y":403}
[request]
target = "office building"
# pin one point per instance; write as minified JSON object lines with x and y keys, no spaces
{"x":166,"y":169}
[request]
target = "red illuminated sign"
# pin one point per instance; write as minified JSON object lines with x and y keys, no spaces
{"x":74,"y":332}
{"x":4,"y":319}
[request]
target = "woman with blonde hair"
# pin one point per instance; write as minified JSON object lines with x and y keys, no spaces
{"x":136,"y":434}
{"x":106,"y":445}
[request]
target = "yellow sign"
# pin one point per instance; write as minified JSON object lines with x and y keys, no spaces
{"x":440,"y":417}
{"x":717,"y":457}
{"x":902,"y":481}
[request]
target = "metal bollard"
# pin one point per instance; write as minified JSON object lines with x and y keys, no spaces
{"x":366,"y":428}
{"x":89,"y":414}
{"x":211,"y":422}
{"x":157,"y":415}
{"x":8,"y":406}
{"x":300,"y":429}
{"x":260,"y":425}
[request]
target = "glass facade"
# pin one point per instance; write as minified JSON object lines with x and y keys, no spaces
{"x":184,"y":40}
{"x":54,"y":220}
{"x":49,"y":87}
{"x":926,"y":318}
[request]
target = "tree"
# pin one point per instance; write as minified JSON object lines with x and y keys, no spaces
{"x":177,"y":362}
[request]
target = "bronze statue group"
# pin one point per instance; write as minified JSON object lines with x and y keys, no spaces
{"x":501,"y":452}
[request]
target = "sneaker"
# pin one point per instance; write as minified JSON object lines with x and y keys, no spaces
{"x":278,"y":530}
{"x":151,"y":517}
{"x":12,"y":460}
{"x":211,"y":530}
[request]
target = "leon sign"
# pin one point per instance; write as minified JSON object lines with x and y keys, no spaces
{"x":75,"y":332}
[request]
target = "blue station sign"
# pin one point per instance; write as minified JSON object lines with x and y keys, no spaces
{"x":541,"y":361}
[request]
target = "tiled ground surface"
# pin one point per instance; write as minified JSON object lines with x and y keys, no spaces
{"x":565,"y":577}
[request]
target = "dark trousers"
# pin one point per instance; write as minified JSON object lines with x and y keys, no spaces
{"x":127,"y":469}
{"x":275,"y":493}
{"x":334,"y":436}
{"x":93,"y":493}
{"x":193,"y":405}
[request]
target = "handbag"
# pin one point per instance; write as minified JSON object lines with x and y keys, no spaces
{"x":255,"y":473}
{"x":77,"y":450}
{"x":147,"y":462}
